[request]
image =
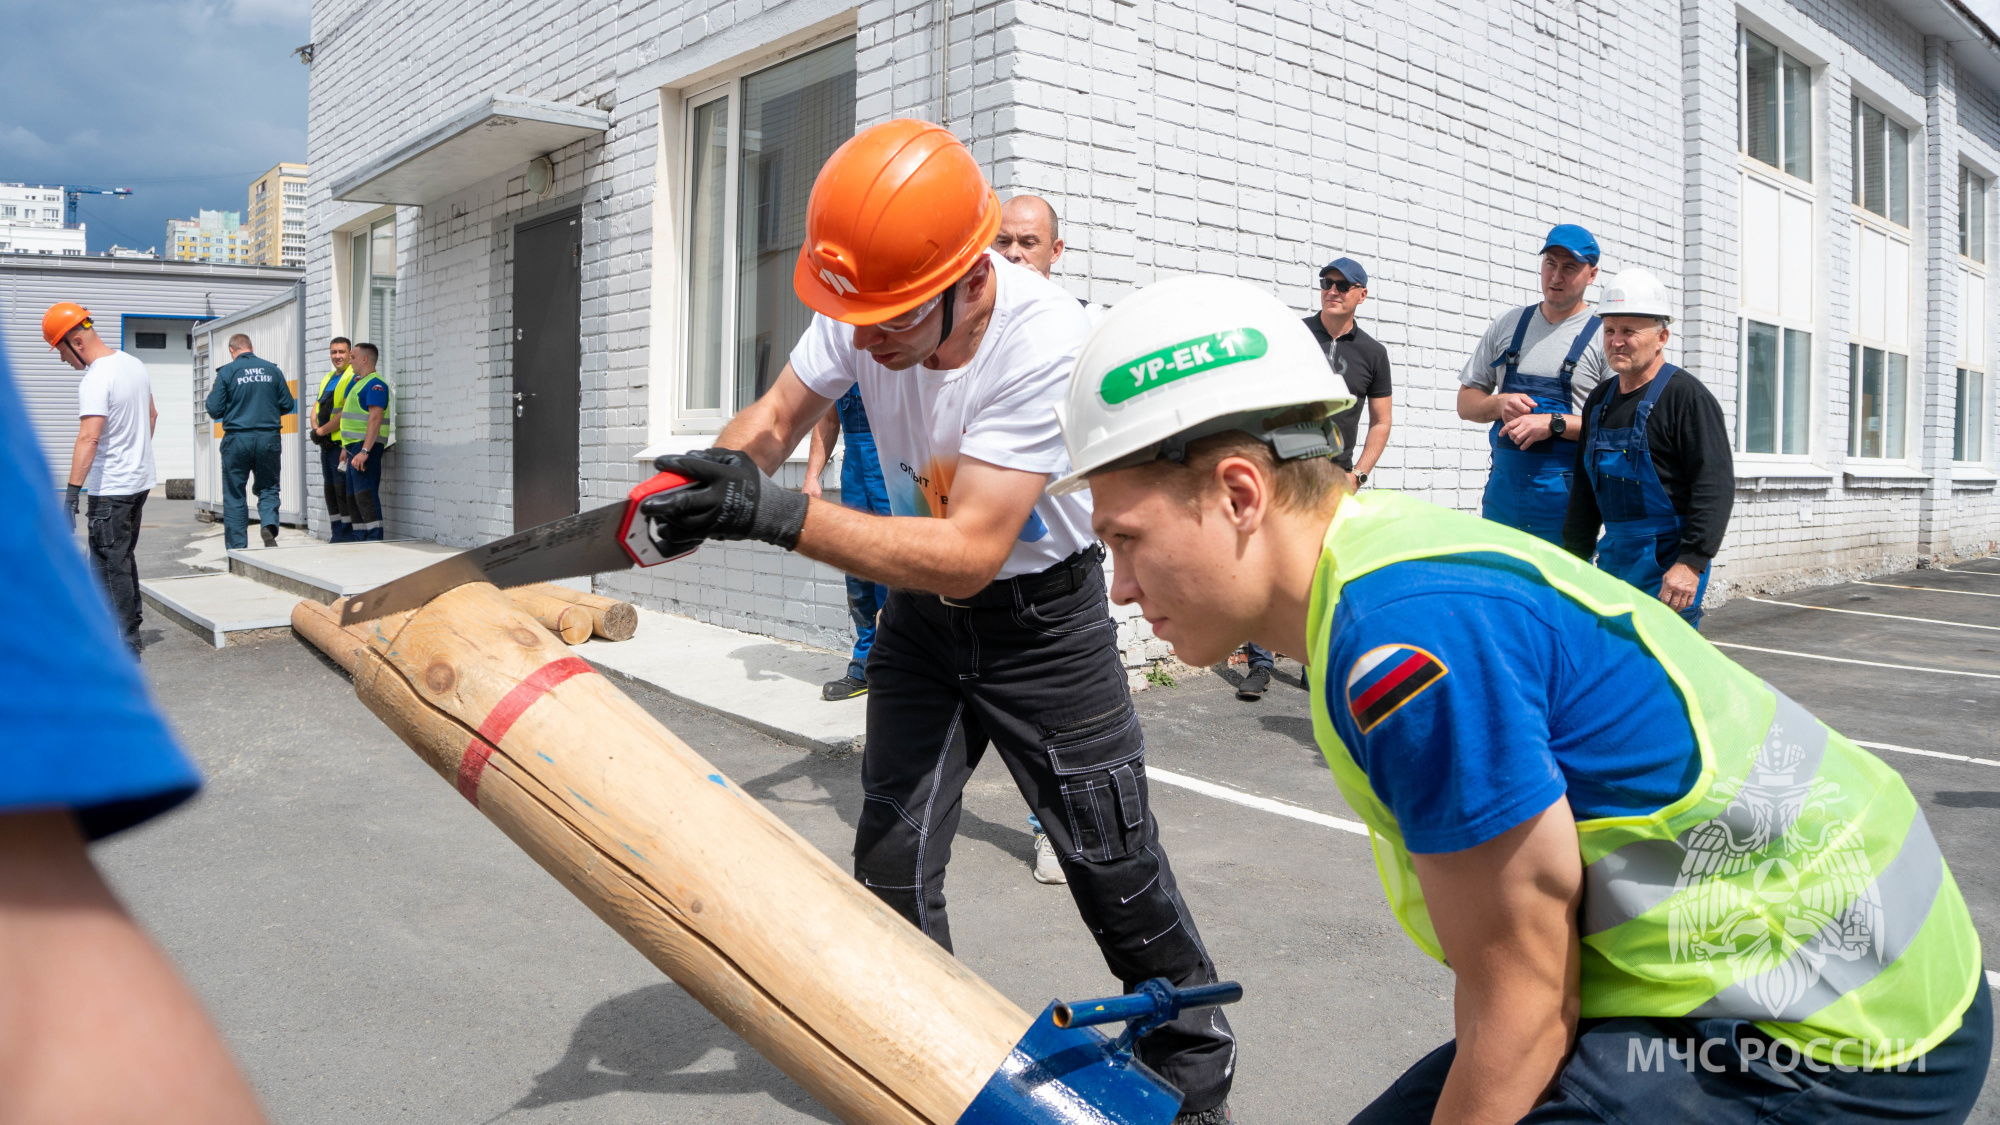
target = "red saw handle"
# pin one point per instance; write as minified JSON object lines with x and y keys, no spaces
{"x":633,"y":534}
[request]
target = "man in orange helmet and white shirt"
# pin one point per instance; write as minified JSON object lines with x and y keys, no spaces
{"x":997,"y":630}
{"x":113,"y":457}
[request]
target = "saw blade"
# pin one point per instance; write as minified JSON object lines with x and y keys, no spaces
{"x":585,"y":543}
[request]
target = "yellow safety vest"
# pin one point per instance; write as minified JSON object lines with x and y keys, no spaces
{"x":338,"y":379}
{"x":354,"y":416}
{"x":1796,"y":884}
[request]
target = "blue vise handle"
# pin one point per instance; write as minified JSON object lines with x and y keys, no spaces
{"x":1145,"y":1009}
{"x":1065,"y":1072}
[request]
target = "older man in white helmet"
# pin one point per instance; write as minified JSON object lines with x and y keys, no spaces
{"x":1578,"y":804}
{"x":1653,"y":466}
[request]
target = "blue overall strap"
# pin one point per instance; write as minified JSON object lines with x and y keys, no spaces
{"x":1576,"y":349}
{"x":1512,"y":356}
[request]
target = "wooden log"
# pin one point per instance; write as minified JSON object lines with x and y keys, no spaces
{"x":609,"y":618}
{"x":565,"y":619}
{"x":868,"y":1015}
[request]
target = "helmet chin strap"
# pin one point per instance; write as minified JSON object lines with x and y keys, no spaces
{"x":949,"y":304}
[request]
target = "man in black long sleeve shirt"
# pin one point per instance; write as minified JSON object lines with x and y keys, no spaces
{"x":1688,"y":446}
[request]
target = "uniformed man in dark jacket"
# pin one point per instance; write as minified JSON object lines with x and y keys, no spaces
{"x":250,"y":399}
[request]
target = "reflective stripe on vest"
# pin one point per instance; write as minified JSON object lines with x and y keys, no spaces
{"x":354,"y":416}
{"x":1795,"y":884}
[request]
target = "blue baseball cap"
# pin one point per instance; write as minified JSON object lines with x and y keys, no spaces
{"x":1349,"y":269}
{"x":1575,"y":239}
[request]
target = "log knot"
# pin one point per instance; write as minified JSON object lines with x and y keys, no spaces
{"x":439,"y":678}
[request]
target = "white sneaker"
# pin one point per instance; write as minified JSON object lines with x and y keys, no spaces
{"x":1047,"y":870}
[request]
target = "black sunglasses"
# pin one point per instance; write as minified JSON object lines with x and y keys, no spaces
{"x":1338,"y":286}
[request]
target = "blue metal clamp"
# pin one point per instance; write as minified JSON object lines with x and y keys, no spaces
{"x":1065,"y":1072}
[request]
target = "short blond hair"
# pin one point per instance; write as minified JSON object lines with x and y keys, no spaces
{"x":1312,"y":484}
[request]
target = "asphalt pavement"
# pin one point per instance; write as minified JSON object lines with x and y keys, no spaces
{"x":374,"y":949}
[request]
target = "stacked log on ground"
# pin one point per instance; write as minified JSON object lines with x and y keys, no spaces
{"x":609,"y":618}
{"x":810,"y":968}
{"x":565,"y":619}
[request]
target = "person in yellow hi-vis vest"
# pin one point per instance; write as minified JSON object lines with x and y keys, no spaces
{"x":1667,"y":892}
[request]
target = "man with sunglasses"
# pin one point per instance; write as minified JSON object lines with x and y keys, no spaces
{"x":997,"y":630}
{"x":1528,"y":378}
{"x":1363,"y":363}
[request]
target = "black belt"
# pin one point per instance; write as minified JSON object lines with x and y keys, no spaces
{"x":1067,"y":576}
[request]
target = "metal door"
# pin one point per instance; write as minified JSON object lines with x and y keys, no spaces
{"x":548,"y":361}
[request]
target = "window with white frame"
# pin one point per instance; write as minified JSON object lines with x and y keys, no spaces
{"x":1971,"y":214}
{"x":1777,"y":248}
{"x":371,"y":276}
{"x":1881,"y":164}
{"x":755,"y":145}
{"x":1969,"y":424}
{"x":1968,"y":435}
{"x":1879,"y":352}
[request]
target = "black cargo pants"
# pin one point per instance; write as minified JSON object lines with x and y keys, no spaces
{"x":114,"y":536}
{"x":1043,"y":685}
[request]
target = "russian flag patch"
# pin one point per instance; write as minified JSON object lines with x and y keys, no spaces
{"x":1385,"y":678}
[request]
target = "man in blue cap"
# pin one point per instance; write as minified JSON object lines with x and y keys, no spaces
{"x":1363,"y":362}
{"x":1528,"y":379}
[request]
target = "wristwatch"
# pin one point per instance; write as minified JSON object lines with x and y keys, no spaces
{"x":1360,"y":479}
{"x":1558,"y":426}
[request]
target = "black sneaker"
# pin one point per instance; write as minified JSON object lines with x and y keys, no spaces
{"x":1214,"y":1115}
{"x":270,"y":534}
{"x":846,"y":687}
{"x":1254,"y":685}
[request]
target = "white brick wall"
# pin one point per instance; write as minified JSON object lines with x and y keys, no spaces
{"x":1434,"y":140}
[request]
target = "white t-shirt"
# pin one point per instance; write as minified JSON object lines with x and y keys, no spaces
{"x":118,"y":388}
{"x":999,"y":409}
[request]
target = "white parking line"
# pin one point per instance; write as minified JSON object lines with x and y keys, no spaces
{"x":1865,"y":613}
{"x":1868,"y":663}
{"x":1993,"y":978}
{"x":1981,"y":573}
{"x":1925,"y":753}
{"x":1248,"y":800}
{"x":1929,"y":589}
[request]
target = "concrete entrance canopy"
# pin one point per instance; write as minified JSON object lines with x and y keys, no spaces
{"x":483,"y":138}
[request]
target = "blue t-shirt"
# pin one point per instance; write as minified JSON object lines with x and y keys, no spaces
{"x":375,"y":392}
{"x":81,"y":733}
{"x":1473,"y":694}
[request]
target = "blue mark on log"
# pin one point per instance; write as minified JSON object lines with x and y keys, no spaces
{"x":717,"y":778}
{"x":583,"y":798}
{"x":545,"y":757}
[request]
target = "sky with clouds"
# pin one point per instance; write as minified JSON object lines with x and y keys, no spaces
{"x":183,"y":101}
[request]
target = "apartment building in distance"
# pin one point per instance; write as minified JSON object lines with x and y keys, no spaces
{"x":211,"y":236}
{"x":277,"y":217}
{"x":31,"y":222}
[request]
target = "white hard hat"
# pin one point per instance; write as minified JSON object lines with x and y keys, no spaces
{"x":1193,"y":356}
{"x":1636,"y":292}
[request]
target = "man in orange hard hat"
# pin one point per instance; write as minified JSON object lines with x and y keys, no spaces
{"x":113,"y":456}
{"x":997,"y":630}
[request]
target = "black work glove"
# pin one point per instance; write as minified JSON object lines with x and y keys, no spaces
{"x":730,"y":498}
{"x":71,"y":499}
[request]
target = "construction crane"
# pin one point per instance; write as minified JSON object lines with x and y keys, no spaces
{"x":70,"y":195}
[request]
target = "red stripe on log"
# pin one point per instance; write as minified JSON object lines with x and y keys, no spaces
{"x":502,"y":718}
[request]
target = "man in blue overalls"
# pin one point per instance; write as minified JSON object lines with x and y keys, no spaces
{"x":1653,"y":465}
{"x":1528,"y":378}
{"x":860,"y":488}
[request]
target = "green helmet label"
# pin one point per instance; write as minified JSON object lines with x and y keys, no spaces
{"x":1178,"y":361}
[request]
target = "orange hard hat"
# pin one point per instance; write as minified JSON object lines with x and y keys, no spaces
{"x":898,"y":214}
{"x":62,"y":318}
